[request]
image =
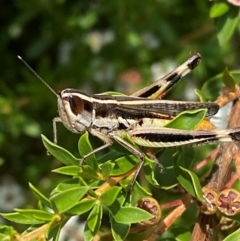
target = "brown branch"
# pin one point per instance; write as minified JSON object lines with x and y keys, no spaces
{"x":219,"y":176}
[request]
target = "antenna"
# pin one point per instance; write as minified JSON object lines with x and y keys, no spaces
{"x":34,"y":72}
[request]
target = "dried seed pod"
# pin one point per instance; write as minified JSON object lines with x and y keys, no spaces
{"x":229,"y":202}
{"x":208,"y":207}
{"x":227,"y":223}
{"x":150,"y":205}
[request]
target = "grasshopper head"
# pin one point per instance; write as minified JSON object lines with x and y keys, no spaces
{"x":74,"y":110}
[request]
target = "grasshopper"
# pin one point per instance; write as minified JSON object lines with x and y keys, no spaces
{"x":141,"y":116}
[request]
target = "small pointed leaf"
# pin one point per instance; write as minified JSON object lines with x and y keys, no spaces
{"x":218,"y":9}
{"x":37,"y":214}
{"x":188,"y":180}
{"x":234,"y":236}
{"x":108,"y":197}
{"x":124,"y":164}
{"x":66,"y":185}
{"x":65,"y":200}
{"x":85,"y":147}
{"x":22,"y":219}
{"x":149,"y":167}
{"x":226,"y":25}
{"x":95,"y":218}
{"x":82,"y":207}
{"x":40,"y":196}
{"x":68,"y":170}
{"x":187,"y":120}
{"x":128,"y":215}
{"x":59,"y":153}
{"x":119,"y":230}
{"x":229,"y":80}
{"x":200,"y":95}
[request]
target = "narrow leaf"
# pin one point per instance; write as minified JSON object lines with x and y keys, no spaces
{"x":218,"y":9}
{"x":108,"y":197}
{"x":68,"y":170}
{"x":66,"y":185}
{"x":88,"y":234}
{"x":107,"y":168}
{"x":54,"y":232}
{"x":88,"y":172}
{"x":65,"y":200}
{"x":229,"y":80}
{"x":95,"y":218}
{"x":234,"y":236}
{"x":40,"y":196}
{"x":188,"y":180}
{"x":119,"y":230}
{"x":20,"y":218}
{"x":149,"y":167}
{"x":213,"y":86}
{"x":37,"y":214}
{"x":128,"y":215}
{"x":82,"y":207}
{"x":59,"y":153}
{"x":124,"y":164}
{"x":140,"y":191}
{"x":7,"y":230}
{"x":200,"y":95}
{"x":84,"y":148}
{"x":226,"y":25}
{"x":187,"y":120}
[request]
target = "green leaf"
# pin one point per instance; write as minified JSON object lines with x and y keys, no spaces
{"x":59,"y":153}
{"x":188,"y":180}
{"x":87,"y":20}
{"x":68,"y":170}
{"x":229,"y":80}
{"x":84,"y":148}
{"x":7,"y":230}
{"x":107,"y":168}
{"x":89,"y":172}
{"x":213,"y":86}
{"x":181,"y":233}
{"x":54,"y":232}
{"x":218,"y":9}
{"x":119,"y":230}
{"x":200,"y":95}
{"x":88,"y":234}
{"x":167,"y":178}
{"x":130,"y":215}
{"x":194,"y":181}
{"x":95,"y":218}
{"x":149,"y":167}
{"x":40,"y":196}
{"x":65,"y":200}
{"x":108,"y":197}
{"x":226,"y":25}
{"x":139,"y":191}
{"x":82,"y":207}
{"x":66,"y":185}
{"x":110,"y":155}
{"x":36,"y":214}
{"x":133,"y":38}
{"x":21,"y":218}
{"x":234,"y":236}
{"x":187,"y":120}
{"x":124,"y":164}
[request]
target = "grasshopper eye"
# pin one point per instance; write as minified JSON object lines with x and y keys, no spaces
{"x":76,"y":104}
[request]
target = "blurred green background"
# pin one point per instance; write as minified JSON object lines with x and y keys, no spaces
{"x":94,"y":46}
